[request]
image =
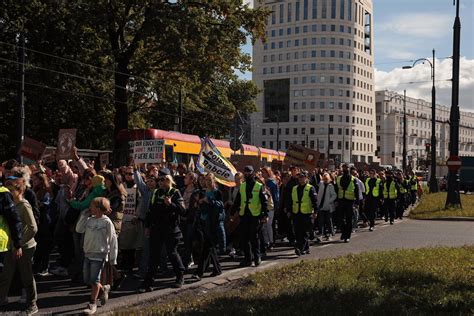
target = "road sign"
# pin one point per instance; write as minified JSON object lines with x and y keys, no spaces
{"x":454,"y":163}
{"x":235,"y":144}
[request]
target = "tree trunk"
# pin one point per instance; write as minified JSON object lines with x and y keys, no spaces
{"x":121,"y":112}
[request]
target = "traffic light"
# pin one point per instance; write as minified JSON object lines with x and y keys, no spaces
{"x":393,"y":154}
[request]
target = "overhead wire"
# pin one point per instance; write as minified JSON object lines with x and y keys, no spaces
{"x":100,"y":98}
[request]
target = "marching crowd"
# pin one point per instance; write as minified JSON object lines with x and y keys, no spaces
{"x":179,"y":216}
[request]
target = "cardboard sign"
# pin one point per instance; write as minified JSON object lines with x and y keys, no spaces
{"x":130,"y":202}
{"x":104,"y":159}
{"x":49,"y":155}
{"x":148,"y":151}
{"x":303,"y":157}
{"x":32,"y":149}
{"x":240,"y":161}
{"x":66,"y":141}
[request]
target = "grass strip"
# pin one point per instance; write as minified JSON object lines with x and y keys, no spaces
{"x":399,"y":282}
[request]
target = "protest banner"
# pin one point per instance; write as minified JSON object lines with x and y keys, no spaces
{"x":130,"y":202}
{"x":32,"y":149}
{"x":66,"y":141}
{"x":240,"y":161}
{"x":300,"y":156}
{"x":148,"y":151}
{"x":211,"y":160}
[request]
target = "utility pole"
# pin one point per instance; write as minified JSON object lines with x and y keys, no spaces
{"x":404,"y":150}
{"x":21,"y":95}
{"x":453,"y":199}
{"x":180,"y":100}
{"x":278,"y":131}
{"x":329,"y":140}
{"x":433,"y":181}
{"x":343,"y":144}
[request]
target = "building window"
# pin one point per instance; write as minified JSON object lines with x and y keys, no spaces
{"x":264,"y":143}
{"x":295,"y":131}
{"x":312,"y":118}
{"x":295,"y":118}
{"x":333,"y":9}
{"x":342,"y":10}
{"x":271,"y":131}
{"x":289,"y":12}
{"x":282,"y":8}
{"x":315,"y":11}
{"x":321,"y":118}
{"x":324,"y":9}
{"x":288,"y":31}
{"x":314,"y":28}
{"x":349,"y":10}
{"x":303,"y":131}
{"x":273,"y":14}
{"x":297,"y":11}
{"x":305,"y":9}
{"x":287,"y":131}
{"x":305,"y":29}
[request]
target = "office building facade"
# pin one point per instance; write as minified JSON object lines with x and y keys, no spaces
{"x":389,"y":117}
{"x":316,"y":73}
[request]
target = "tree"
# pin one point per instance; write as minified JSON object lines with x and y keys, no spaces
{"x":142,"y":52}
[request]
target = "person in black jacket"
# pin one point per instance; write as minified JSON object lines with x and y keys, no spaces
{"x":162,"y":227}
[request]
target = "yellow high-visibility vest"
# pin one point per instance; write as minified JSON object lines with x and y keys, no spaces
{"x":390,"y":193}
{"x":254,"y":203}
{"x":349,"y":193}
{"x":304,"y":206}
{"x":375,"y":190}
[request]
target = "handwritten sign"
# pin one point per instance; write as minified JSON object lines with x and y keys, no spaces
{"x":130,"y":202}
{"x":148,"y":151}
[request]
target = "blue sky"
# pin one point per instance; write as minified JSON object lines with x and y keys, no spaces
{"x":406,"y":30}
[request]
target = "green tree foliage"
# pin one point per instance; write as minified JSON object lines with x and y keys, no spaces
{"x":132,"y":60}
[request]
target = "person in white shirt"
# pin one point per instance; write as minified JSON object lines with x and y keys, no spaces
{"x":326,"y":198}
{"x":100,"y":245}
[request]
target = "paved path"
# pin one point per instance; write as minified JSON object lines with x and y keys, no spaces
{"x":60,"y":296}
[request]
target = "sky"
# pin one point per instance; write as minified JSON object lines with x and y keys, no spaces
{"x":405,"y":30}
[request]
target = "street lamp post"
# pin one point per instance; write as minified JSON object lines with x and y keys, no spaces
{"x":454,"y":199}
{"x":433,"y":184}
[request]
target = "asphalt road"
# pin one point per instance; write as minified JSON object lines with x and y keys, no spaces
{"x":60,"y":296}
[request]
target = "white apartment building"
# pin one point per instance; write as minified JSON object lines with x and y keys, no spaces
{"x":316,"y":73}
{"x":389,"y":111}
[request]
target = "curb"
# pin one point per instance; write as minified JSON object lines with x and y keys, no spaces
{"x":448,"y":219}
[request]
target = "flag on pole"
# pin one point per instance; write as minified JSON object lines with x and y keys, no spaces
{"x":211,"y":160}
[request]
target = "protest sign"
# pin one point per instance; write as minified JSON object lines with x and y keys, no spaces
{"x":130,"y":202}
{"x":104,"y":159}
{"x":148,"y":151}
{"x":211,"y":160}
{"x":300,"y":156}
{"x":240,"y":161}
{"x":32,"y":149}
{"x":66,"y":142}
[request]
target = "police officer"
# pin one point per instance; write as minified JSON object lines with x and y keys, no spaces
{"x":413,"y":187}
{"x":347,"y":196}
{"x":391,"y":190}
{"x":303,"y":202}
{"x":251,"y":204}
{"x":162,"y":226}
{"x":401,"y":197}
{"x":373,"y":190}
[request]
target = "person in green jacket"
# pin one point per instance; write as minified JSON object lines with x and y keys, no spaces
{"x":98,"y":190}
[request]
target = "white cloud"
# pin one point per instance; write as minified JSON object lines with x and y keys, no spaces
{"x":399,"y":79}
{"x":425,"y":25}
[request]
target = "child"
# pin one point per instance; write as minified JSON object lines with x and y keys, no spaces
{"x":100,"y":245}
